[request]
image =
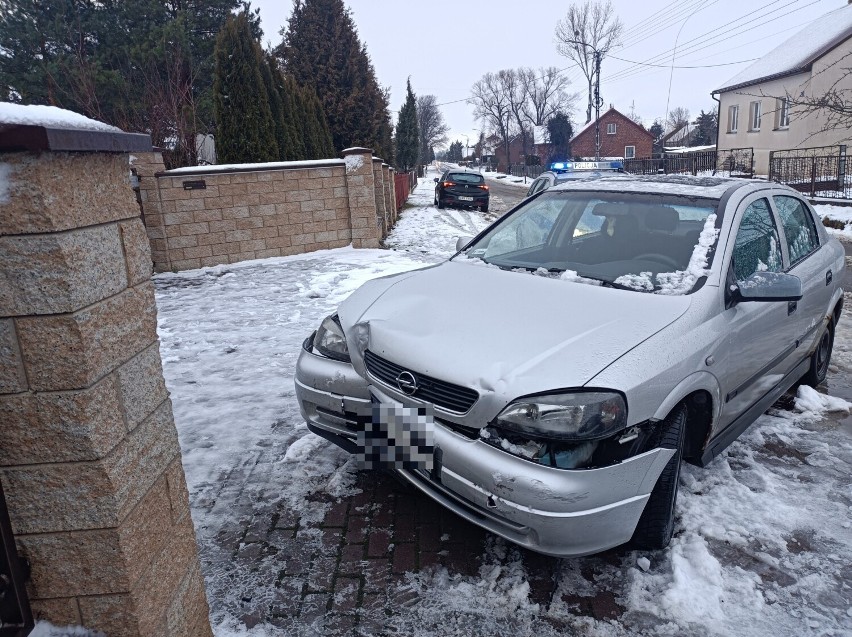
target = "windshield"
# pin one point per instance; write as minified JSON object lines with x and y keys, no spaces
{"x":648,"y":243}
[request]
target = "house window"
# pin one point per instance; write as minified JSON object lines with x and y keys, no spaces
{"x":733,"y":118}
{"x":629,"y":152}
{"x":754,"y":116}
{"x":782,"y":108}
{"x":610,"y":129}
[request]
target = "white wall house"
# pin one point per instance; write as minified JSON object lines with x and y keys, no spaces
{"x":757,"y":106}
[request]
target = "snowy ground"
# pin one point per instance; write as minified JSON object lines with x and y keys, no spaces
{"x":763,"y":543}
{"x":840,"y":216}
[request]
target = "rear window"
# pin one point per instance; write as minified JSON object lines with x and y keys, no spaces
{"x":466,"y":178}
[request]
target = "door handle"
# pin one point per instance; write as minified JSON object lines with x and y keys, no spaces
{"x":791,"y":307}
{"x":828,"y":277}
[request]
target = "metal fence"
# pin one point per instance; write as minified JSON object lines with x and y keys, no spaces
{"x":519,"y":170}
{"x":736,"y":162}
{"x":818,"y":172}
{"x":404,"y":183}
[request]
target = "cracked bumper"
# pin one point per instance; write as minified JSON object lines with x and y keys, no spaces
{"x":554,"y":511}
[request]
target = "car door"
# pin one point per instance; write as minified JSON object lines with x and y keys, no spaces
{"x":759,"y":346}
{"x":808,"y":261}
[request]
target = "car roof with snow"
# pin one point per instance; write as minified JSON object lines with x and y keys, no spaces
{"x":711,"y":187}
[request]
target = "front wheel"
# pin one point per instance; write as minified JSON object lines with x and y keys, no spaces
{"x":821,"y":357}
{"x":656,"y":526}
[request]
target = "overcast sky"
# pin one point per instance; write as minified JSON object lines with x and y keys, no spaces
{"x":447,"y":45}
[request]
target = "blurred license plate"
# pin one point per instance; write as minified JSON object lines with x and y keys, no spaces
{"x":466,"y":198}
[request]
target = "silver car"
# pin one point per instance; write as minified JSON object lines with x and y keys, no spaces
{"x":552,"y":375}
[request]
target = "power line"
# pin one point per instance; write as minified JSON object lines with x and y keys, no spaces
{"x":707,"y":39}
{"x":698,"y":66}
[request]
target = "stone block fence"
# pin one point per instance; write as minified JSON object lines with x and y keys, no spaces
{"x":211,"y":215}
{"x":89,"y":456}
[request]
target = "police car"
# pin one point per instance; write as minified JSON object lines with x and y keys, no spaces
{"x":562,"y":171}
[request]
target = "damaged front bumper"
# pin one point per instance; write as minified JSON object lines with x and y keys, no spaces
{"x":560,"y":512}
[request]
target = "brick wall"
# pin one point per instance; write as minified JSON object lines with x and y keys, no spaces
{"x":253,"y":211}
{"x":628,"y":133}
{"x":89,"y":460}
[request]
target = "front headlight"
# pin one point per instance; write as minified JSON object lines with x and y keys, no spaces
{"x":330,"y":341}
{"x":577,"y":416}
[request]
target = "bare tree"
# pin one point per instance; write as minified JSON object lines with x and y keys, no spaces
{"x":490,"y":97}
{"x":588,"y":28}
{"x":547,"y":94}
{"x":678,"y":118}
{"x":433,"y":130}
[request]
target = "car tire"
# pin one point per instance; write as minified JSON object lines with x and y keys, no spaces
{"x":484,"y":208}
{"x":441,"y":204}
{"x":821,"y":357}
{"x":656,"y":525}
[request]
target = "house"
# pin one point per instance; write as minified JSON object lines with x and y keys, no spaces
{"x":620,"y":137}
{"x":682,"y":136}
{"x":757,"y":106}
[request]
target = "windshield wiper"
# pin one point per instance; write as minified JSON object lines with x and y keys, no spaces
{"x":607,"y":283}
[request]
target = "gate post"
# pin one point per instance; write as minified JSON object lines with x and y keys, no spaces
{"x":90,"y":461}
{"x":841,"y":169}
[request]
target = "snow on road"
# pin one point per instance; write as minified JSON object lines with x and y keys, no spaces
{"x":763,"y":543}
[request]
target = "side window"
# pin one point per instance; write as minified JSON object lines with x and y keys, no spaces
{"x":799,"y":229}
{"x":588,"y":222}
{"x":757,"y":248}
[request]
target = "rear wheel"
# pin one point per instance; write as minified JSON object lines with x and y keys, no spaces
{"x":441,"y":203}
{"x":821,"y":357}
{"x":656,"y":526}
{"x":484,"y":208}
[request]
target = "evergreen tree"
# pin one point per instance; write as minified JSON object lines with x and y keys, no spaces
{"x":706,"y":129}
{"x":141,"y":65}
{"x":273,"y":83}
{"x":294,"y":119}
{"x":657,"y":131}
{"x":456,"y":152}
{"x":407,"y":133}
{"x":560,"y":131}
{"x":318,"y":143}
{"x":321,"y":49}
{"x":245,"y":131}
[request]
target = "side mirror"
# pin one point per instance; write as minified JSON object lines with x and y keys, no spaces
{"x":461,"y":242}
{"x":768,"y":286}
{"x":436,"y":180}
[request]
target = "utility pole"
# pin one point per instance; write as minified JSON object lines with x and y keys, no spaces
{"x":597,"y":105}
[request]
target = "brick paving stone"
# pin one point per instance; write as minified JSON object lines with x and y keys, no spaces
{"x":376,"y":574}
{"x":404,"y":558}
{"x":429,"y":537}
{"x":321,"y":573}
{"x":379,"y":541}
{"x":347,"y":590}
{"x":336,"y":515}
{"x":351,"y":556}
{"x":356,"y":529}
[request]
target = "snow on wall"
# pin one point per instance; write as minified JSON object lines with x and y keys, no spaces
{"x":353,"y":163}
{"x":49,"y":116}
{"x":269,"y":165}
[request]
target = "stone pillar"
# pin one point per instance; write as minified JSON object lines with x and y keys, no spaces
{"x":379,"y":185}
{"x":389,"y":202}
{"x":360,"y":186}
{"x":89,"y":458}
{"x":394,"y":211}
{"x":146,"y":165}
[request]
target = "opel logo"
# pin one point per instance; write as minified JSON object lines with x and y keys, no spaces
{"x":407,"y":383}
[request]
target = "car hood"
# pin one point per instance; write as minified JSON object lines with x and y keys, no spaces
{"x":501,"y":332}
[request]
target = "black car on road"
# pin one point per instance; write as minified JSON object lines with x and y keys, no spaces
{"x":463,"y":189}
